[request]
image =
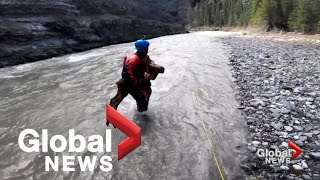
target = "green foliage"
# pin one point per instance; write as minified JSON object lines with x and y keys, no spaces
{"x":295,"y":15}
{"x":305,"y":16}
{"x":258,"y":12}
{"x":299,"y":17}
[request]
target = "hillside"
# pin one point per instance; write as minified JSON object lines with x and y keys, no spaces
{"x":32,"y":30}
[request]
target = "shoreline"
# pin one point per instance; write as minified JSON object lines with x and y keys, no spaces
{"x":35,"y":56}
{"x":278,"y":35}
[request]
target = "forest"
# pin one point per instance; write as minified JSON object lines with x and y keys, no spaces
{"x":287,"y":15}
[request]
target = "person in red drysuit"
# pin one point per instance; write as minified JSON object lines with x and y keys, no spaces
{"x":138,"y":70}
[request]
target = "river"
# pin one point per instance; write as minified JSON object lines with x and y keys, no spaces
{"x":192,"y":129}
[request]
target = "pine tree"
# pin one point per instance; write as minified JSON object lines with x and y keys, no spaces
{"x":258,"y":12}
{"x":295,"y":15}
{"x":287,"y":7}
{"x":299,"y":19}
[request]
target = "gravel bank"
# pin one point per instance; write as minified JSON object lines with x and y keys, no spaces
{"x":278,"y":87}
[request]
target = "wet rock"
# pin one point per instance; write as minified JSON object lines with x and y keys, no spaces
{"x":306,"y":177}
{"x":298,"y":128}
{"x":288,"y":104}
{"x":246,"y":169}
{"x":311,"y":116}
{"x":289,"y":88}
{"x":249,"y":122}
{"x":297,"y":122}
{"x":276,"y":126}
{"x":274,"y":139}
{"x":272,"y":67}
{"x":274,"y":148}
{"x":289,"y":177}
{"x":276,"y":113}
{"x":316,"y":132}
{"x":277,"y":169}
{"x":257,"y":102}
{"x":301,"y":99}
{"x":313,"y":94}
{"x":303,"y":138}
{"x":296,"y":90}
{"x":284,"y":144}
{"x":308,"y":135}
{"x":288,"y":128}
{"x":315,"y":155}
{"x":252,"y":149}
{"x":298,"y":110}
{"x":285,"y":168}
{"x":304,"y":164}
{"x":299,"y":143}
{"x":297,"y":167}
{"x":284,"y":134}
{"x":255,"y":143}
{"x":285,"y":110}
{"x":267,"y":126}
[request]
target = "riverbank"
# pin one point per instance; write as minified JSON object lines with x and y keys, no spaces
{"x":279,"y":91}
{"x":276,"y":35}
{"x":24,"y":42}
{"x":36,"y":30}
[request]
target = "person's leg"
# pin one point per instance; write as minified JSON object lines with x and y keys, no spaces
{"x":121,"y":94}
{"x":146,"y":92}
{"x":142,"y":101}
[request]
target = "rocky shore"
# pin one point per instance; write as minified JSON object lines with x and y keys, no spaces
{"x":33,"y":30}
{"x":278,"y":86}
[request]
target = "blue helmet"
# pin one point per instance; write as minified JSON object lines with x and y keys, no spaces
{"x":141,"y":44}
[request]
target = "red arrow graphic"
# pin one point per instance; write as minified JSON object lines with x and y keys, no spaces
{"x":126,"y":126}
{"x":296,"y":148}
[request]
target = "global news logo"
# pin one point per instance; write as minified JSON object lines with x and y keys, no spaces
{"x":278,"y":156}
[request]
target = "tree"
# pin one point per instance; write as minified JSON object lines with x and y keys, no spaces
{"x":299,"y":18}
{"x":295,"y":15}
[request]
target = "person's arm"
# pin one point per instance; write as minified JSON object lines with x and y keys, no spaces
{"x":149,"y":61}
{"x":153,"y":67}
{"x":153,"y":70}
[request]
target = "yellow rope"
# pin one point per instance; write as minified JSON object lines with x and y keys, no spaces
{"x":206,"y":131}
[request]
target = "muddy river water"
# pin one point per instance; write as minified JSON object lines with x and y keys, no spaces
{"x":191,"y":130}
